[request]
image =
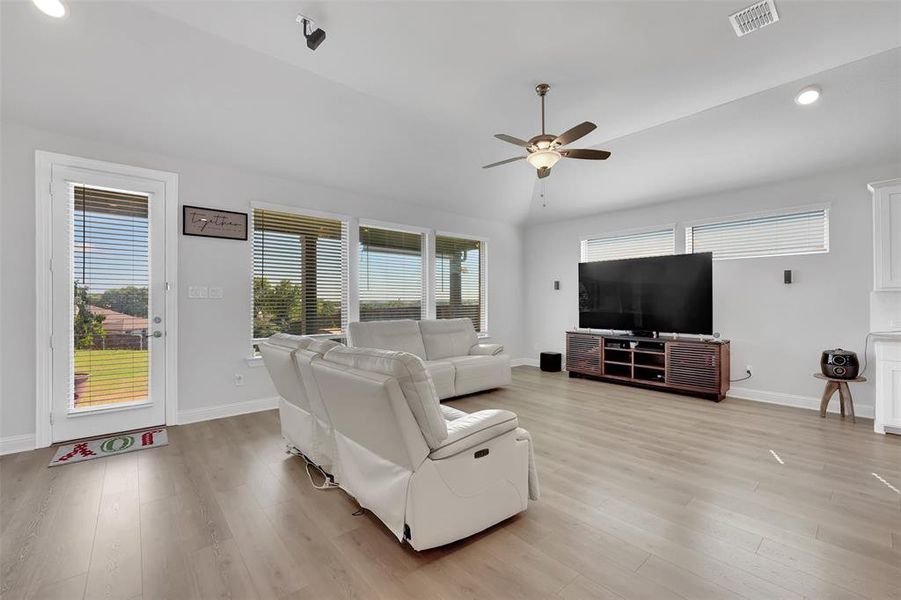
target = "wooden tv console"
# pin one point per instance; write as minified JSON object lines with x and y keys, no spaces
{"x":686,"y":366}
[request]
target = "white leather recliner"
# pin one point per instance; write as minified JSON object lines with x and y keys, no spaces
{"x":458,"y":363}
{"x":432,"y":474}
{"x":305,"y":425}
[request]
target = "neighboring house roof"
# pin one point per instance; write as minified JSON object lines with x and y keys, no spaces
{"x":116,"y":322}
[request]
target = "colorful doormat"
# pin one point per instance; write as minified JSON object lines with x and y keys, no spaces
{"x":119,"y":443}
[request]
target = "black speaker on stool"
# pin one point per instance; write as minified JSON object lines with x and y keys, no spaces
{"x":839,"y":364}
{"x":551,"y":361}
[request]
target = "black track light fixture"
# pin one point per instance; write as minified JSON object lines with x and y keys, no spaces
{"x":314,"y":35}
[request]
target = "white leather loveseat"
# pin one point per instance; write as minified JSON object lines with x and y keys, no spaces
{"x":371,"y":418}
{"x":450,"y":349}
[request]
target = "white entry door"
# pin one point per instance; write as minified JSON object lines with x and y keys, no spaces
{"x":108,"y":302}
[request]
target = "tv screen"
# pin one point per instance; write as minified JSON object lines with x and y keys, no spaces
{"x":673,"y":294}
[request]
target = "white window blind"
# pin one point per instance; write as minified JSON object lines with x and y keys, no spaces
{"x":631,"y":245}
{"x":804,"y":232}
{"x":111,"y":279}
{"x":299,"y":274}
{"x":460,"y":280}
{"x":390,"y":274}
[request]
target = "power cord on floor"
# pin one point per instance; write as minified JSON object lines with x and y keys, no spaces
{"x":328,"y":482}
{"x":745,"y":378}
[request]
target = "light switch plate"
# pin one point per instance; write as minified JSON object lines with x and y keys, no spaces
{"x":198,"y":291}
{"x":216,"y":293}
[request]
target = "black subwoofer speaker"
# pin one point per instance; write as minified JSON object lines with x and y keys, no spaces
{"x":551,"y":361}
{"x":839,"y":364}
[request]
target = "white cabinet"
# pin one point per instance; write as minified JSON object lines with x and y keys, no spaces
{"x":885,"y":304}
{"x":886,"y":235}
{"x":888,"y":385}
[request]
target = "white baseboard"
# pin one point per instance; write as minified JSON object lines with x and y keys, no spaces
{"x":16,"y":443}
{"x":523,"y":362}
{"x":207,"y":413}
{"x":808,"y":402}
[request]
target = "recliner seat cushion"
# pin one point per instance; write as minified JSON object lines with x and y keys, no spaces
{"x":401,"y":336}
{"x":414,"y":381}
{"x":443,"y":338}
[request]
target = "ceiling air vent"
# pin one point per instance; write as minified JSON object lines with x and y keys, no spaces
{"x":754,"y":17}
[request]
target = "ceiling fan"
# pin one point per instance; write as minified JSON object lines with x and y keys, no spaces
{"x":543,"y":151}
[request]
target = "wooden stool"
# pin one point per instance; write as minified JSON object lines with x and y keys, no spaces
{"x":844,"y":394}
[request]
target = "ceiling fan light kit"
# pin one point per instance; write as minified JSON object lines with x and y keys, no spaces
{"x":545,"y":150}
{"x":544,"y":159}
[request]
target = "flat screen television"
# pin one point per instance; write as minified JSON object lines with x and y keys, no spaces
{"x":673,"y":294}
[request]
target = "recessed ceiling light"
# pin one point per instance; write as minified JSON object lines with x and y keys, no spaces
{"x":808,"y":95}
{"x":53,"y":8}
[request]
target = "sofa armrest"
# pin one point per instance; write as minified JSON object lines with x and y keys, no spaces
{"x":486,"y":349}
{"x":474,"y":429}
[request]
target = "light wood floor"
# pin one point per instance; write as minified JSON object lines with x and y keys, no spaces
{"x":645,"y":495}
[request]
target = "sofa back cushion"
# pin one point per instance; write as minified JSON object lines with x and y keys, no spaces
{"x":401,"y":336}
{"x":443,"y":338}
{"x":278,"y":353}
{"x":413,"y":379}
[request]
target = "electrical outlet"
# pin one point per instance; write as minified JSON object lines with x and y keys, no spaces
{"x":216,"y":293}
{"x":239,"y":379}
{"x":198,"y":291}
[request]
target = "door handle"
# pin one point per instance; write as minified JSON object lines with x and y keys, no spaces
{"x":155,"y":334}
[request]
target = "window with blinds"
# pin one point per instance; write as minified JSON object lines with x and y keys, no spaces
{"x":804,"y":232}
{"x":630,"y":245}
{"x":390,"y":283}
{"x":459,"y":280}
{"x":111,"y":281}
{"x":299,"y":274}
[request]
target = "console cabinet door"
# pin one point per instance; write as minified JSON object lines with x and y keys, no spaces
{"x":693,"y":366}
{"x":583,"y":354}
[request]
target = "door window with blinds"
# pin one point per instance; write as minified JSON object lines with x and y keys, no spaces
{"x":802,"y":232}
{"x":460,"y":279}
{"x":110,"y":285}
{"x":390,"y":284}
{"x":299,"y":274}
{"x":631,"y":245}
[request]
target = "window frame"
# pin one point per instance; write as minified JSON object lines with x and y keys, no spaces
{"x":483,"y":275}
{"x":826,"y":207}
{"x":671,"y":227}
{"x":300,"y":212}
{"x":352,"y":274}
{"x":427,"y":244}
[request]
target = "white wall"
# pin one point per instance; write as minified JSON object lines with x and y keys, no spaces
{"x":214,"y":336}
{"x":778,"y":329}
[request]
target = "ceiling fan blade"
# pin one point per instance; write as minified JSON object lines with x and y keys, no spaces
{"x":544,"y":172}
{"x":571,"y":135}
{"x":589,"y":154}
{"x":503,"y":162}
{"x":512,"y":140}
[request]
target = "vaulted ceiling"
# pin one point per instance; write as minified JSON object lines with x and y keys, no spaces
{"x":402,"y":99}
